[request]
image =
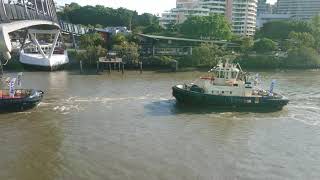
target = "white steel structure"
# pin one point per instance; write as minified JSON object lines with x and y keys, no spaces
{"x":44,"y":56}
{"x":299,"y":9}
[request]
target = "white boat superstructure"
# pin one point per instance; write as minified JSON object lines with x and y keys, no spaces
{"x":46,"y":56}
{"x":227,"y":79}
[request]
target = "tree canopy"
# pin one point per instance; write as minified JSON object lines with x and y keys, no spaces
{"x":212,"y":27}
{"x":105,"y":16}
{"x":264,"y":45}
{"x":281,"y":29}
{"x":207,"y":54}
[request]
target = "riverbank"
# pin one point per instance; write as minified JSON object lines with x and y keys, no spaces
{"x":165,"y":63}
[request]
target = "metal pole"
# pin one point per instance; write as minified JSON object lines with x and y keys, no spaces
{"x":36,"y":6}
{"x":81,"y":70}
{"x":4,"y":9}
{"x":140,"y":65}
{"x":1,"y":69}
{"x":98,"y":68}
{"x":122,"y":68}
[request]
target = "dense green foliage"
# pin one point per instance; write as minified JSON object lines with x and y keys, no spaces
{"x":264,"y":45}
{"x":207,"y":54}
{"x":246,"y":44}
{"x":302,"y":57}
{"x":92,"y":48}
{"x":282,"y":29}
{"x":128,"y":51}
{"x":104,"y":16}
{"x":298,"y":40}
{"x":159,"y":61}
{"x":209,"y":27}
{"x":260,"y":61}
{"x":88,"y":40}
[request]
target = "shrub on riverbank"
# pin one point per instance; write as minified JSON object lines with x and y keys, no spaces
{"x":158,"y":61}
{"x":303,"y":57}
{"x":260,"y":61}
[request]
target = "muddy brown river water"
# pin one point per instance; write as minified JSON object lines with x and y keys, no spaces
{"x":129,"y":127}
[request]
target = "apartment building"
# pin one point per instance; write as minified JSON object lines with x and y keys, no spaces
{"x":241,"y":13}
{"x":299,"y":9}
{"x":184,"y":9}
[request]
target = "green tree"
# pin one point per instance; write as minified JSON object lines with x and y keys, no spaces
{"x":94,"y":39}
{"x":207,"y":55}
{"x":298,"y":40}
{"x":119,"y":39}
{"x":246,"y":44}
{"x":264,"y":45}
{"x":92,"y":48}
{"x":281,"y":29}
{"x":105,"y":16}
{"x":153,"y":28}
{"x":303,"y":57}
{"x":91,"y":54}
{"x":315,"y":24}
{"x":212,"y":27}
{"x":129,"y":51}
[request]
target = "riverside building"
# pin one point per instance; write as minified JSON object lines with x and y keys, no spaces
{"x":240,"y":13}
{"x":299,"y":9}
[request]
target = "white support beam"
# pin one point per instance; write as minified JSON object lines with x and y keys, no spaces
{"x":38,"y":45}
{"x":54,"y":44}
{"x":37,"y":31}
{"x":6,"y":28}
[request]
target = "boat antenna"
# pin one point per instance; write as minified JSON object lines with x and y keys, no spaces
{"x":238,"y":65}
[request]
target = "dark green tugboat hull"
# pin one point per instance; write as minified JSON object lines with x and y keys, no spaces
{"x":21,"y":104}
{"x":255,"y":103}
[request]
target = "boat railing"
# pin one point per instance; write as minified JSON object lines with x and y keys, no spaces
{"x":18,"y":93}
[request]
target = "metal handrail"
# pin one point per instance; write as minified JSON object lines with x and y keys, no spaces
{"x":24,"y":11}
{"x":4,"y":93}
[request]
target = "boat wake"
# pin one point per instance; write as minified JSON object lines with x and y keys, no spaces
{"x":298,"y":113}
{"x":78,"y":104}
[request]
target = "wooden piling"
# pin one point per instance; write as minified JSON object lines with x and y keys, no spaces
{"x":175,"y":66}
{"x":140,"y":66}
{"x":122,"y":68}
{"x":81,"y":67}
{"x":119,"y":66}
{"x":98,"y":68}
{"x":109,"y":64}
{"x":1,"y":70}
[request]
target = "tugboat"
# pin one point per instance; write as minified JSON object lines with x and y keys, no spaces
{"x":19,"y":100}
{"x":228,"y":86}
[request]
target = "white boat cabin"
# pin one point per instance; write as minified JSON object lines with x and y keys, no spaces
{"x":227,"y":80}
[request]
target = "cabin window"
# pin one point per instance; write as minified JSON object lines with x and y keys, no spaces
{"x":235,"y":84}
{"x":222,"y":92}
{"x":234,"y":75}
{"x":227,"y":75}
{"x":221,"y":74}
{"x":230,"y":92}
